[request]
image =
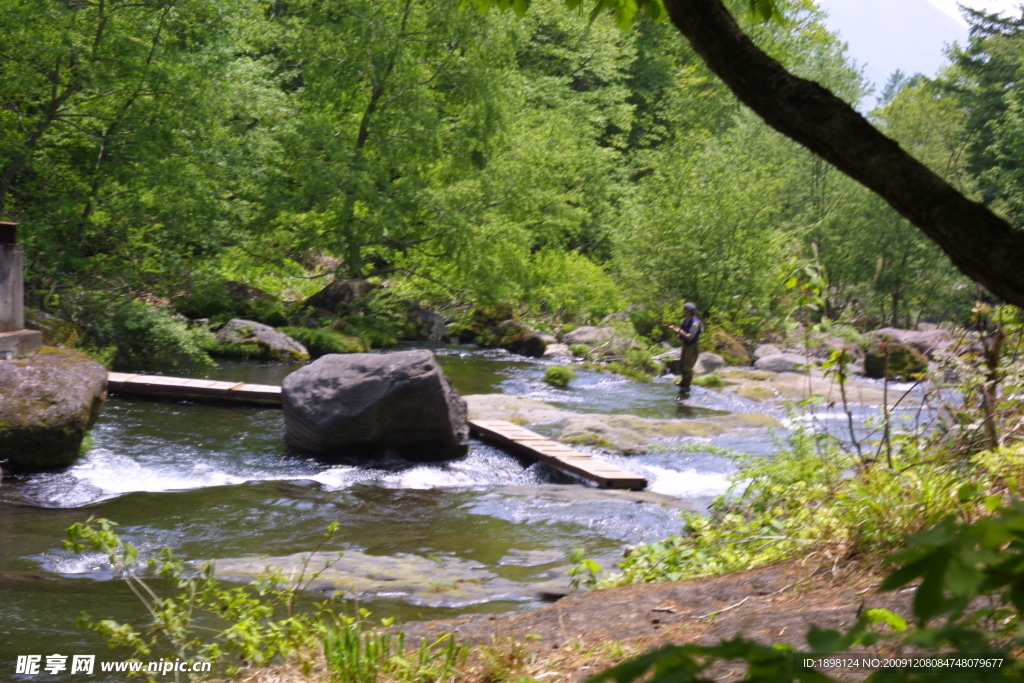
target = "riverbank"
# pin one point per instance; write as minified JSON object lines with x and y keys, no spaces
{"x":586,"y":633}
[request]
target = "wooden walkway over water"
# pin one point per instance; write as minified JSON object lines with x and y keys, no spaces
{"x":499,"y":432}
{"x":183,"y":387}
{"x":534,"y":446}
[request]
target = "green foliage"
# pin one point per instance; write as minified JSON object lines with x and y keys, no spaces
{"x":559,"y":376}
{"x":320,"y":342}
{"x":572,"y":287}
{"x":143,"y":333}
{"x":584,"y":570}
{"x":357,"y":654}
{"x":802,"y":500}
{"x":967,"y":600}
{"x":580,"y":350}
{"x":709,"y":381}
{"x":263,"y":622}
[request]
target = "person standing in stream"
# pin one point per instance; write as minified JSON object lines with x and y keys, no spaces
{"x":689,"y":331}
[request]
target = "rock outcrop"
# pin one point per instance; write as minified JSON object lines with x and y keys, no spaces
{"x":781,"y":362}
{"x":931,"y":343}
{"x":707,"y":363}
{"x":48,"y":401}
{"x":257,"y":340}
{"x":427,"y":324}
{"x":362,"y":405}
{"x":339,"y":296}
{"x":516,"y":337}
{"x":894,"y":360}
{"x":604,"y":342}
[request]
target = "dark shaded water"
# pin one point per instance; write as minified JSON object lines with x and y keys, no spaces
{"x":216,"y":481}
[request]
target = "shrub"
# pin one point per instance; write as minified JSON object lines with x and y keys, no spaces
{"x":559,"y":376}
{"x":580,"y":350}
{"x":143,"y":333}
{"x":320,"y":342}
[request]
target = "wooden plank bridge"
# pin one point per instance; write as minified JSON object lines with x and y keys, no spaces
{"x":502,"y":433}
{"x":183,"y":387}
{"x":533,"y":445}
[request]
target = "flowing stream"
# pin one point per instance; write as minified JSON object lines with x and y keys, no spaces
{"x":216,"y":482}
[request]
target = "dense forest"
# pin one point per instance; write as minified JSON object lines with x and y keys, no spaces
{"x":158,"y":151}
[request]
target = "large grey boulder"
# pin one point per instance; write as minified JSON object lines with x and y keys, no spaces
{"x":263,"y":340}
{"x":767,"y":350}
{"x":339,"y":296}
{"x":515,"y":336}
{"x":47,"y":402}
{"x":780,"y":362}
{"x":707,"y":363}
{"x":428,"y":324}
{"x":364,"y":404}
{"x":931,"y":343}
{"x":604,"y":341}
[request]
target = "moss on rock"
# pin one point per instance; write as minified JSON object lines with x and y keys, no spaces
{"x":892,"y":360}
{"x":50,"y":400}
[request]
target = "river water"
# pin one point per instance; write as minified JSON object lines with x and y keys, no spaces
{"x":216,"y":481}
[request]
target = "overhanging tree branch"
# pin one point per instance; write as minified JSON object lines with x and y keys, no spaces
{"x":982,"y":245}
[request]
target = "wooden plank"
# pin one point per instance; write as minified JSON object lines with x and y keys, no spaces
{"x":192,"y":388}
{"x":535,"y":446}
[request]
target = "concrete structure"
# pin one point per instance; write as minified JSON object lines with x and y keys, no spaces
{"x":14,"y":338}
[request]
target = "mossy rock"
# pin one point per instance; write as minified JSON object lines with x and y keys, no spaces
{"x":728,"y":347}
{"x":515,"y":336}
{"x":482,"y":322}
{"x":49,"y":400}
{"x":55,"y":331}
{"x":894,"y":360}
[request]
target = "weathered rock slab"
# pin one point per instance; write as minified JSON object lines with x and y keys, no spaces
{"x":623,"y":433}
{"x":781,"y":362}
{"x":364,"y":404}
{"x":47,"y":402}
{"x":435,"y":582}
{"x":264,"y":339}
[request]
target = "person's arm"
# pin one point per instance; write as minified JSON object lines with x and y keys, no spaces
{"x":687,"y":336}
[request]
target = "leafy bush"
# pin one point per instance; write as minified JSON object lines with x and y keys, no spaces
{"x":812,"y":497}
{"x":559,"y":376}
{"x":580,"y":350}
{"x":142,"y":333}
{"x":320,"y":342}
{"x":968,"y":601}
{"x":256,"y":624}
{"x":571,"y":287}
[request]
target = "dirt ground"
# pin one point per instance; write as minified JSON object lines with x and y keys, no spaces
{"x":583,"y":634}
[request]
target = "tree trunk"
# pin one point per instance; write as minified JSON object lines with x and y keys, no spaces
{"x":982,"y":245}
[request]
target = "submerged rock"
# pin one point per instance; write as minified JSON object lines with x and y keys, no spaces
{"x":256,"y":340}
{"x":623,"y":433}
{"x":365,"y":404}
{"x":49,"y":400}
{"x":437,"y":581}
